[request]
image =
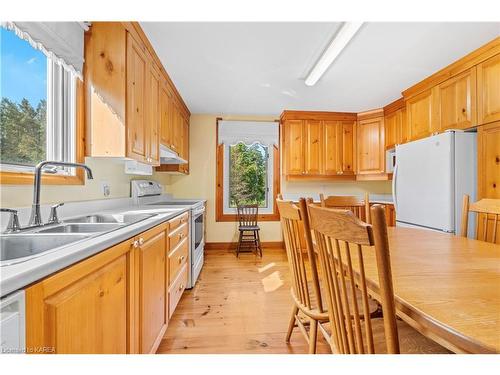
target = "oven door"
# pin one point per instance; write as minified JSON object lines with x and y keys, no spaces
{"x":198,"y":227}
{"x":198,"y":244}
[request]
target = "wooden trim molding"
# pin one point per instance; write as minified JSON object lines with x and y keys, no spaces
{"x":19,"y":178}
{"x":371,"y":114}
{"x":232,"y":245}
{"x":475,"y":57}
{"x":394,"y":106}
{"x":220,"y":216}
{"x":317,"y":115}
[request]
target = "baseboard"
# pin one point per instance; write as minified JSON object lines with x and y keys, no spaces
{"x":233,"y":245}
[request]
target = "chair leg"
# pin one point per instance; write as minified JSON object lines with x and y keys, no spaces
{"x":259,"y":244}
{"x":313,"y":335}
{"x":239,"y":245}
{"x":291,"y":325}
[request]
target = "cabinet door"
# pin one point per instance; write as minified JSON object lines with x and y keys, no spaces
{"x":176,"y":128}
{"x":137,"y":71}
{"x":294,"y":147}
{"x":457,"y":101}
{"x":154,"y":116}
{"x":152,"y":292}
{"x":313,"y":147}
{"x":402,"y":133}
{"x":391,"y":125}
{"x":419,"y":115}
{"x":488,"y":90}
{"x":332,"y":147}
{"x":185,"y":146}
{"x":86,"y":308}
{"x":348,"y":145}
{"x":488,"y":151}
{"x":371,"y":146}
{"x":166,"y":114}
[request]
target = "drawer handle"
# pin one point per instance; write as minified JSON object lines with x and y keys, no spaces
{"x":135,"y":244}
{"x":181,"y":258}
{"x":181,"y":287}
{"x":181,"y":235}
{"x":141,"y":241}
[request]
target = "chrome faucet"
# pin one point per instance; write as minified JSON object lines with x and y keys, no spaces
{"x":36,"y":217}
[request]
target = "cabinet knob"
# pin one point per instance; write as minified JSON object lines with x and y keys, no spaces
{"x":135,"y":244}
{"x":141,"y":241}
{"x":181,"y":258}
{"x":181,"y":235}
{"x":181,"y":287}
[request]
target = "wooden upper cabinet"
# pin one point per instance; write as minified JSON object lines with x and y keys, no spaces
{"x":294,"y":147}
{"x":392,"y":122}
{"x":154,"y":115}
{"x":152,"y":288}
{"x":420,"y":115}
{"x":87,"y":308}
{"x":313,"y":130}
{"x":332,"y":147}
{"x":488,"y":150}
{"x":371,"y":146}
{"x":166,"y":112}
{"x":129,"y":100}
{"x":137,"y":91}
{"x":402,"y":132}
{"x":488,"y":90}
{"x":348,"y":145}
{"x":457,"y":101}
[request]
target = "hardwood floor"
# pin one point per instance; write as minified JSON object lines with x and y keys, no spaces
{"x":238,"y":306}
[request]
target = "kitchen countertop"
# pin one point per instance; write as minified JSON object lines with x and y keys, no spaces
{"x":17,"y":276}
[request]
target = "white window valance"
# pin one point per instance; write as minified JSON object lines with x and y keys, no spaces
{"x":248,"y":132}
{"x":61,"y":41}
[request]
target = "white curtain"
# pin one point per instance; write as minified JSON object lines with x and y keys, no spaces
{"x":61,"y":41}
{"x":248,"y":132}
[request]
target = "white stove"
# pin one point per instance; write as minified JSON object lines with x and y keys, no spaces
{"x":147,"y":192}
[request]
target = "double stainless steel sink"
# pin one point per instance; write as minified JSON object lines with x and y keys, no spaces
{"x":25,"y":245}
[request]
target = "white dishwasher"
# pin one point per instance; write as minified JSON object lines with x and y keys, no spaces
{"x":12,"y":323}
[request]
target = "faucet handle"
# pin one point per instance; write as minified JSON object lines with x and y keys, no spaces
{"x":53,"y":219}
{"x":13,"y":224}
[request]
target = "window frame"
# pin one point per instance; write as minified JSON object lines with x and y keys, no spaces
{"x":26,"y":178}
{"x":221,"y":160}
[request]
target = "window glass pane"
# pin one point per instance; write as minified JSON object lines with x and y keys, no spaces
{"x":23,"y":91}
{"x":247,"y":175}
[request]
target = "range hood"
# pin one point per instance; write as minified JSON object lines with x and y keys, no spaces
{"x":167,"y":156}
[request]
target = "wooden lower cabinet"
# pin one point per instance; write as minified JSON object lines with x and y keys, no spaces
{"x":152,"y":293}
{"x":86,"y":308}
{"x":117,"y":301}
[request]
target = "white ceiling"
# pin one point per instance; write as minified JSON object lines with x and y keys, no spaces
{"x":259,"y":68}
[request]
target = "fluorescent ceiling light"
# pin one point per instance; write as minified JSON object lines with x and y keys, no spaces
{"x":346,"y":33}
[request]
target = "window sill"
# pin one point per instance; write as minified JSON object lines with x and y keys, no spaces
{"x":17,"y":178}
{"x":234,"y":217}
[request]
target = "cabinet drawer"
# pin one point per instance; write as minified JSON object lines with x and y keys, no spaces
{"x":177,"y":259}
{"x":176,"y":290}
{"x":177,"y":236}
{"x":178,"y":221}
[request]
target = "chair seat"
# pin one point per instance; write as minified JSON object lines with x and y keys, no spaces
{"x":248,"y":228}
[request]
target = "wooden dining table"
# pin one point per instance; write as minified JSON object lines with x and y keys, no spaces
{"x":447,"y":287}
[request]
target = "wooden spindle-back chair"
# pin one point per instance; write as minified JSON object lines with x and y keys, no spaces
{"x":344,"y":243}
{"x":306,"y":292}
{"x":249,"y":238}
{"x":487,"y":211}
{"x":359,"y":207}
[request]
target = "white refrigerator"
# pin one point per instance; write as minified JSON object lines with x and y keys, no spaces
{"x":430,"y":178}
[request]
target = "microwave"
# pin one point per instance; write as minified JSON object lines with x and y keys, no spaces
{"x":390,"y":160}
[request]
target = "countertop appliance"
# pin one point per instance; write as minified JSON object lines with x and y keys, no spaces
{"x":147,"y":192}
{"x":430,"y":179}
{"x":12,"y":323}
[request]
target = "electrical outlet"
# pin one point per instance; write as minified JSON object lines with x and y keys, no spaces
{"x":105,"y":188}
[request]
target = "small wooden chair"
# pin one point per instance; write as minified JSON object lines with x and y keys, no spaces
{"x":344,"y":242}
{"x":306,"y":293}
{"x":359,"y":207}
{"x":487,"y":211}
{"x":249,"y":238}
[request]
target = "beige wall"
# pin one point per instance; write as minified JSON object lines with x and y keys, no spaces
{"x":109,"y":170}
{"x":201,"y":181}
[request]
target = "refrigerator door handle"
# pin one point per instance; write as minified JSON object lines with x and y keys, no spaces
{"x":394,"y":193}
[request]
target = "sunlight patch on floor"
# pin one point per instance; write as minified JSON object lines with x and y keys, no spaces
{"x":272,"y":282}
{"x":266,"y":267}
